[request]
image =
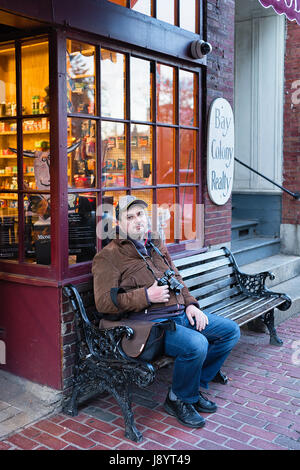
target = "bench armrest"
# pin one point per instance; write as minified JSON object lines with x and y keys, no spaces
{"x":254,"y":284}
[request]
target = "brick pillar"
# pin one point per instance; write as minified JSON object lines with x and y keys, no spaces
{"x":290,"y":226}
{"x":220,"y":84}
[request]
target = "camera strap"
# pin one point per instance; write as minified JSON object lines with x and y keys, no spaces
{"x":147,"y":264}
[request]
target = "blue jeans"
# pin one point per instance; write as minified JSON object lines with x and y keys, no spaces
{"x":199,"y":355}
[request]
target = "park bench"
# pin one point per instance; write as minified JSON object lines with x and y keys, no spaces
{"x":220,"y":287}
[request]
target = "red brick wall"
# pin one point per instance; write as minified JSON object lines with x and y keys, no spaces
{"x":220,"y":84}
{"x":291,"y":139}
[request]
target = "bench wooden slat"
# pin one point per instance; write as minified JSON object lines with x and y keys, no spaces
{"x":179,"y":263}
{"x":211,"y":288}
{"x":204,"y":278}
{"x":258,"y":304}
{"x":214,"y":298}
{"x":204,"y":267}
{"x":218,"y":306}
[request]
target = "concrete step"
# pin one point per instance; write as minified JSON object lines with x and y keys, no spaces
{"x":286,"y":269}
{"x":242,"y":229}
{"x":255,"y":248}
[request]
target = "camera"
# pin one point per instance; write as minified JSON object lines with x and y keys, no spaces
{"x":200,"y":48}
{"x":169,"y":279}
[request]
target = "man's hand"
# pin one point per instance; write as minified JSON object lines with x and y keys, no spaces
{"x":194,"y":314}
{"x":158,"y":294}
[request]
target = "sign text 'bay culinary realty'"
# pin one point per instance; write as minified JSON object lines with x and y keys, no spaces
{"x":220,"y":151}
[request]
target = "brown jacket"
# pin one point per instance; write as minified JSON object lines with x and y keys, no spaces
{"x":119,"y":265}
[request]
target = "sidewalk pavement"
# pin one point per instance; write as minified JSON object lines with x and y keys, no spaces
{"x":259,"y":409}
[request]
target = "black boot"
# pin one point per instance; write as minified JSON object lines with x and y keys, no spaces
{"x":204,"y":405}
{"x":185,"y":413}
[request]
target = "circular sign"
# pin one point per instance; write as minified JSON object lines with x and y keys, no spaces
{"x":220,"y":151}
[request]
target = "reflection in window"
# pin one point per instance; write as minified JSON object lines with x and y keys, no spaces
{"x":35,"y":77}
{"x":36,"y":153}
{"x":187,"y":156}
{"x":112,"y":84}
{"x":113,"y":144}
{"x":107,"y":215}
{"x":166,"y":213}
{"x":165,"y":93}
{"x":165,"y":156}
{"x":37,"y":228}
{"x":81,"y":153}
{"x":82,"y":227}
{"x":142,"y":6}
{"x":165,"y":11}
{"x":8,"y":100}
{"x":188,"y":15}
{"x":81,"y":77}
{"x":140,"y":90}
{"x":9,"y":245}
{"x":187,"y":98}
{"x":123,"y":3}
{"x":187,"y":213}
{"x":141,"y":155}
{"x":8,"y":156}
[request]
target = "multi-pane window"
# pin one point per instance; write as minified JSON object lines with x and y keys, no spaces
{"x":25,"y":223}
{"x":183,"y":13}
{"x":131,"y":130}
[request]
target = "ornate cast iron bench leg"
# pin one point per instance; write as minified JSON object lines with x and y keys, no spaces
{"x":269,"y":322}
{"x":123,"y":396}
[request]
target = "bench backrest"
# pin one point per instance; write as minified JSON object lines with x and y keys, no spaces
{"x":209,"y":276}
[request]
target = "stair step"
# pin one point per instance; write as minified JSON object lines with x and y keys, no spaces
{"x":255,"y":248}
{"x":284,"y":267}
{"x":292,"y":289}
{"x":242,"y":229}
{"x":241,"y":223}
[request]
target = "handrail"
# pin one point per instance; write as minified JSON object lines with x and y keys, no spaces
{"x":294,"y":195}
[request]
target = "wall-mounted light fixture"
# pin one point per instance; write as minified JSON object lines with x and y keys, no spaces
{"x":200,"y":48}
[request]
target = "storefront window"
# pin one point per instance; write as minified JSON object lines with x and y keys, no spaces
{"x":165,"y":93}
{"x":187,"y":98}
{"x":81,"y":77}
{"x":148,"y":148}
{"x":81,"y":153}
{"x":187,"y":213}
{"x":165,"y":11}
{"x":112,"y":84}
{"x":82,"y":227}
{"x":141,"y":155}
{"x":113,"y":141}
{"x":181,"y":13}
{"x":9,"y":244}
{"x":142,"y":6}
{"x":25,"y":170}
{"x":37,"y":228}
{"x":188,"y":15}
{"x":35,"y":77}
{"x":8,"y":155}
{"x":8,"y":100}
{"x":165,"y":155}
{"x":140,"y":90}
{"x":187,"y":170}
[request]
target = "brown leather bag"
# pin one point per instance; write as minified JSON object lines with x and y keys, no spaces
{"x":147,"y":343}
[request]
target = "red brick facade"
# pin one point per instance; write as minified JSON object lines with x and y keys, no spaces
{"x":291,"y":141}
{"x":220,"y":83}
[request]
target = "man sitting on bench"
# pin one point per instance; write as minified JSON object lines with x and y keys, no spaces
{"x":127,"y":277}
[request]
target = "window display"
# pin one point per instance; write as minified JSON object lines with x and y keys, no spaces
{"x":25,"y":172}
{"x":81,"y":77}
